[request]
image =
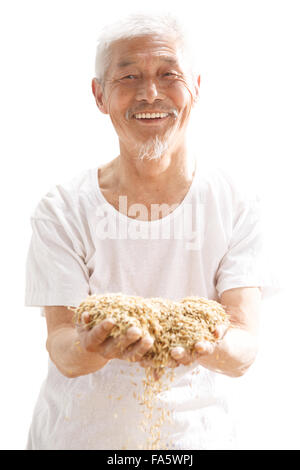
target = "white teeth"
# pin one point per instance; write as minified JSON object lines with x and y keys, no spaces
{"x":150,"y":115}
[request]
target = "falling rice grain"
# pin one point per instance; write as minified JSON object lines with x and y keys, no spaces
{"x":170,"y":323}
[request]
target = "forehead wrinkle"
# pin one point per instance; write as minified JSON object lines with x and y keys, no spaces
{"x":124,"y":63}
{"x":160,"y":56}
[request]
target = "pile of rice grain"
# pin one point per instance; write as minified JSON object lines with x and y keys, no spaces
{"x":168,"y":322}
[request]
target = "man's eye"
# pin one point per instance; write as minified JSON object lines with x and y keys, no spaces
{"x":129,"y":77}
{"x":170,"y":74}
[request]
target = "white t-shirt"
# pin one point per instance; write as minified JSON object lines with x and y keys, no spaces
{"x":82,"y":245}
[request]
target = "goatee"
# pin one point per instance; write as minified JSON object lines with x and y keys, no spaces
{"x":153,"y":149}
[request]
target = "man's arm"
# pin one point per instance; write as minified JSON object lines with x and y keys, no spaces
{"x":77,"y":351}
{"x":63,"y":345}
{"x":236,"y":352}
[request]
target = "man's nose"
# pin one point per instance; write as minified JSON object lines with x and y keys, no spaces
{"x":148,"y":90}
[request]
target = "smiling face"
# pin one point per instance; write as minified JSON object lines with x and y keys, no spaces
{"x":148,"y":93}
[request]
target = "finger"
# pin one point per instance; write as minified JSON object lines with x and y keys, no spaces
{"x":84,"y":320}
{"x":220,"y":331}
{"x":85,"y":317}
{"x":114,"y":347}
{"x":100,"y":332}
{"x":204,"y":347}
{"x":138,"y":350}
{"x":182,"y":356}
{"x":146,"y":363}
{"x":172,"y":363}
{"x":93,"y":338}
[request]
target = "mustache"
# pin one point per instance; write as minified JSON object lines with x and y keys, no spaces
{"x":130,"y":113}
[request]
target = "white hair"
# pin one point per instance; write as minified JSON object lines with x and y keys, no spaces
{"x":153,"y":149}
{"x":137,"y":25}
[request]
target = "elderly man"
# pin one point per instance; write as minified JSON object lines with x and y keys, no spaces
{"x":154,"y":223}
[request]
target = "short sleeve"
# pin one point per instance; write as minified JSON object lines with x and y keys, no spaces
{"x":55,"y":272}
{"x":247,"y":262}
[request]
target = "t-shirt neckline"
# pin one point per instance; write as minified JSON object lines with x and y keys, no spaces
{"x":130,"y":220}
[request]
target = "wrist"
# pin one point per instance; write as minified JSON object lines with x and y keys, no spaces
{"x":234,"y":354}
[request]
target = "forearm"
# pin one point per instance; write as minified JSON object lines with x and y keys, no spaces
{"x":234,"y":354}
{"x":70,"y":358}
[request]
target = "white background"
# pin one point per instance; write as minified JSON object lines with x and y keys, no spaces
{"x":247,"y":122}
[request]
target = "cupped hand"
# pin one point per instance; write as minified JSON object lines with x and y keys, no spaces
{"x":201,"y":348}
{"x":130,"y":346}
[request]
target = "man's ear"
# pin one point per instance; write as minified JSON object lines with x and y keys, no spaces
{"x":98,"y":93}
